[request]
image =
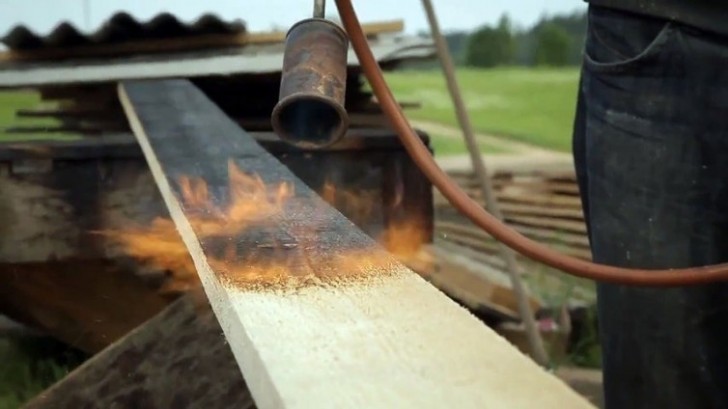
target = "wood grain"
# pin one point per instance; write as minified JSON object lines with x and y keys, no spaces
{"x":86,"y":304}
{"x":369,"y":335}
{"x":177,"y":359}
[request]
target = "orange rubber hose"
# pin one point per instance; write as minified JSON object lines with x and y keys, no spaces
{"x":501,"y":232}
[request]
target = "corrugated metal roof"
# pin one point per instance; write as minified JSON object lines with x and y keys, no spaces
{"x":255,"y":59}
{"x":118,"y":28}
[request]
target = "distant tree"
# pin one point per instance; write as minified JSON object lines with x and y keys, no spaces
{"x":552,"y":45}
{"x":491,"y":46}
{"x":575,"y":26}
{"x":504,"y":24}
{"x":555,"y":40}
{"x":457,"y":42}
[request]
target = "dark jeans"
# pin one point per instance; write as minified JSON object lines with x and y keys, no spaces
{"x":651,"y":154}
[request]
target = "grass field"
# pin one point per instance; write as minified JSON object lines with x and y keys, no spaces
{"x":14,"y":100}
{"x":530,"y":105}
{"x":29,"y":366}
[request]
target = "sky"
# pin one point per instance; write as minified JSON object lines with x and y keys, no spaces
{"x":43,"y":15}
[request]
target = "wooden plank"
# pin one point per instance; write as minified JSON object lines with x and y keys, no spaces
{"x":124,"y":145}
{"x":90,"y":129}
{"x":68,"y":113}
{"x":534,"y":198}
{"x":365,"y":333}
{"x":96,"y":97}
{"x":473,"y":283}
{"x":532,"y":210}
{"x":490,"y":246}
{"x":551,"y":280}
{"x":539,"y":185}
{"x":525,"y":209}
{"x":551,"y":174}
{"x":555,"y":237}
{"x":371,"y":106}
{"x":355,"y":120}
{"x":88,"y":304}
{"x":559,"y":225}
{"x":148,"y":46}
{"x":178,"y":359}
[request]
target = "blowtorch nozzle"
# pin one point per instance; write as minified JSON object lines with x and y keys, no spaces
{"x":310,"y":111}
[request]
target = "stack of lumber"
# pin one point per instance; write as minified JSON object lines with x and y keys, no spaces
{"x":91,"y":108}
{"x":542,"y":206}
{"x":481,"y":288}
{"x":94,"y":111}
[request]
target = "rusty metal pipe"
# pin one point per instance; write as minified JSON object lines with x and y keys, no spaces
{"x":310,"y":112}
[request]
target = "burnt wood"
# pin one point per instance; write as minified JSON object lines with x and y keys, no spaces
{"x":191,"y":137}
{"x":61,"y":190}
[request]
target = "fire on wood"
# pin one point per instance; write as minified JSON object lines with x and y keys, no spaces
{"x":276,"y":257}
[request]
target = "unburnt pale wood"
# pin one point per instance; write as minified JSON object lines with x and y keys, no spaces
{"x":373,"y":334}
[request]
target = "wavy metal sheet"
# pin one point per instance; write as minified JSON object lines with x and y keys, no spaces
{"x":253,"y":60}
{"x":120,"y":27}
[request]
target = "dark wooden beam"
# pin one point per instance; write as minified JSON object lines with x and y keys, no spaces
{"x":87,"y":305}
{"x":177,"y":359}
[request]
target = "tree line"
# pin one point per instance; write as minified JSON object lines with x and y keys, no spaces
{"x":554,"y":41}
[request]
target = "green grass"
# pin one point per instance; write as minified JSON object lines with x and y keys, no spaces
{"x":28,"y":366}
{"x":527,"y":104}
{"x":11,"y":101}
{"x":531,"y":105}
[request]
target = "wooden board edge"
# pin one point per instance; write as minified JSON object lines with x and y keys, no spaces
{"x":250,"y":364}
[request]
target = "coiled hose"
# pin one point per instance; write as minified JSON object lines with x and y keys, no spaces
{"x":479,"y":216}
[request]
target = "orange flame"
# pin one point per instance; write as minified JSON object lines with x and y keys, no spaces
{"x":248,"y":242}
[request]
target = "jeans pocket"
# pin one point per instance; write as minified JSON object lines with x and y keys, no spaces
{"x":618,"y":41}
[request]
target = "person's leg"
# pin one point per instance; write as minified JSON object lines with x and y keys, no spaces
{"x":578,"y":147}
{"x":652,"y":146}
